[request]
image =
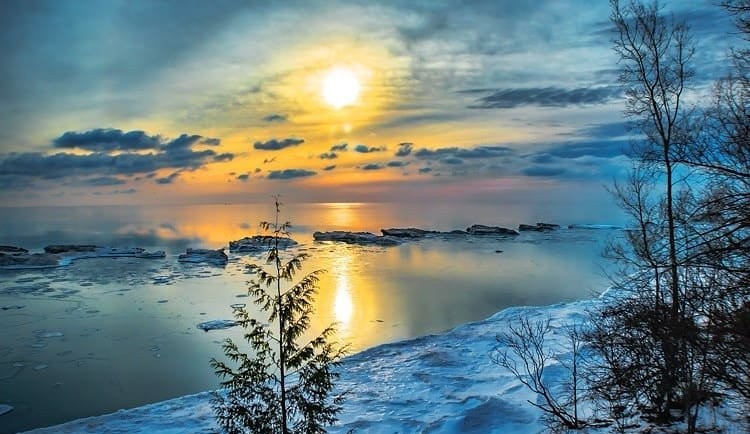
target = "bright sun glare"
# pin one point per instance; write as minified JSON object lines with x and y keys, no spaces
{"x":340,"y":87}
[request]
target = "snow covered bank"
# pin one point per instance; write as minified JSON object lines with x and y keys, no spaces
{"x":442,"y":383}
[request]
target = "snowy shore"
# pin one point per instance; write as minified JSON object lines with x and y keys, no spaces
{"x":442,"y":383}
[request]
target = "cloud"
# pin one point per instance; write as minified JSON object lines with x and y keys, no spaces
{"x":328,"y":156}
{"x":100,"y":181}
{"x":277,"y":145}
{"x":397,"y":164}
{"x":545,"y":97}
{"x":211,"y":141}
{"x":269,"y":160}
{"x":425,"y":169}
{"x":275,"y":117}
{"x":227,"y":156}
{"x":452,"y":160}
{"x":372,"y":166}
{"x":329,"y":168}
{"x":107,"y":140}
{"x":168,"y":179}
{"x":340,"y":147}
{"x":594,"y":148}
{"x":465,"y":153}
{"x":543,"y":171}
{"x":289,"y":173}
{"x":243,"y":177}
{"x":404,"y":149}
{"x":363,"y":149}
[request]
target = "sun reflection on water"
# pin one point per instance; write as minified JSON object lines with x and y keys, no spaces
{"x":343,"y":307}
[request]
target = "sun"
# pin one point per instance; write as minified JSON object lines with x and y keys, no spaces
{"x":340,"y":87}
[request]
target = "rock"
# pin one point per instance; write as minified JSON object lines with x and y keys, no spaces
{"x":406,"y":232}
{"x":214,"y":257}
{"x":259,"y":243}
{"x":69,"y":248}
{"x":550,"y":226}
{"x":158,"y":254}
{"x":490,"y":230}
{"x":526,"y":228}
{"x":217,"y":324}
{"x":356,"y":238}
{"x":13,"y":250}
{"x":34,"y":260}
{"x":586,"y":226}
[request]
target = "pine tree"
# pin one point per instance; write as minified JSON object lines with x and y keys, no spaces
{"x":282,"y":386}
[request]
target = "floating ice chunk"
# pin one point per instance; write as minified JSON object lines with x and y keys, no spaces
{"x":44,"y":334}
{"x":40,"y":366}
{"x":214,"y":257}
{"x":217,"y":324}
{"x":4,"y":408}
{"x":238,"y":305}
{"x":12,"y":307}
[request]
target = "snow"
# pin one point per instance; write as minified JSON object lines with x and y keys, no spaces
{"x":5,"y":409}
{"x":444,"y":383}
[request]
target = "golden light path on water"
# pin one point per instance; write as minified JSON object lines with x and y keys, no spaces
{"x":343,"y":305}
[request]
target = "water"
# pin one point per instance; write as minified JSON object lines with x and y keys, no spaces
{"x":104,"y":334}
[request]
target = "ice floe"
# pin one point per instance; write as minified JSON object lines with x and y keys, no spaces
{"x":4,"y":408}
{"x":217,"y":324}
{"x":206,"y":256}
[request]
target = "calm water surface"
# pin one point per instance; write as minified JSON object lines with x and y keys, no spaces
{"x":104,"y":334}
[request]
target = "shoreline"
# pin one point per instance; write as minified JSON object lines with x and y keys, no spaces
{"x":379,"y":377}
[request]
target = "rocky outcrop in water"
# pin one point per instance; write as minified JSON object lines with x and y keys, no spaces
{"x":259,"y":243}
{"x":490,"y":230}
{"x":356,"y":238}
{"x":406,"y":232}
{"x":550,"y":226}
{"x":34,"y":260}
{"x":207,"y":256}
{"x":13,"y":250}
{"x":70,"y":248}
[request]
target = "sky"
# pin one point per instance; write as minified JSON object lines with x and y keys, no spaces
{"x":186,"y":101}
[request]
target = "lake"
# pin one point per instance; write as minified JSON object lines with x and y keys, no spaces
{"x":104,"y":334}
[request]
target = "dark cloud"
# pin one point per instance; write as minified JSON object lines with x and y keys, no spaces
{"x":289,"y":173}
{"x":329,"y":168}
{"x":126,"y":191}
{"x":364,"y":149}
{"x":452,"y":160}
{"x":543,"y":171}
{"x":211,"y":141}
{"x":404,"y":149}
{"x":340,"y":147}
{"x":168,"y":179}
{"x":397,"y":164}
{"x":243,"y":177}
{"x":100,"y":181}
{"x":546,"y":97}
{"x":595,"y":148}
{"x":227,"y":156}
{"x":107,"y":140}
{"x":425,"y":169}
{"x":269,"y":160}
{"x":372,"y":166}
{"x":275,"y":117}
{"x":464,"y":153}
{"x":328,"y":156}
{"x":277,"y":145}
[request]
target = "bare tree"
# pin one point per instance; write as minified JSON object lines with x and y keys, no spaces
{"x":524,"y":350}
